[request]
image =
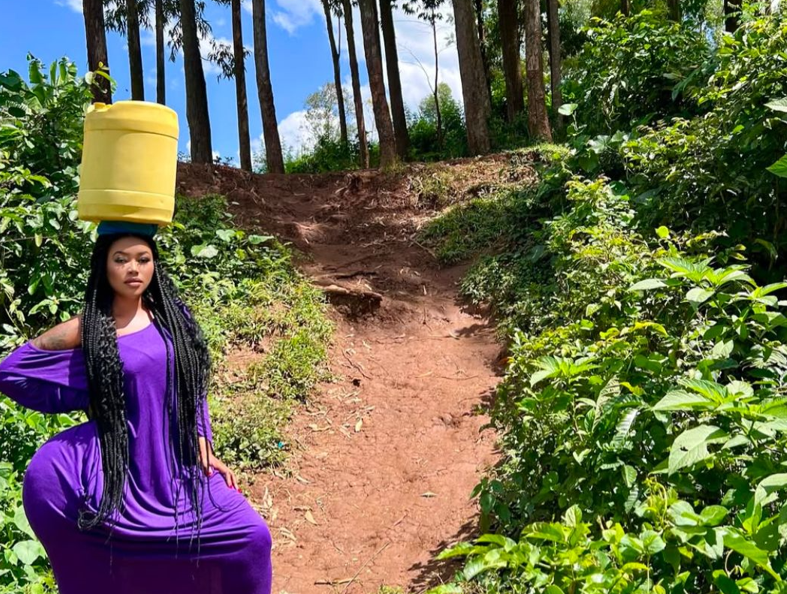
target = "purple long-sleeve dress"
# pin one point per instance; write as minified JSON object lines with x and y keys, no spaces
{"x":143,"y":555}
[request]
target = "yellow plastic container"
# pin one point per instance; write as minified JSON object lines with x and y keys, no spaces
{"x":129,"y":163}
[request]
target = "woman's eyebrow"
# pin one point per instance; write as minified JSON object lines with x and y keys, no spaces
{"x":139,"y":253}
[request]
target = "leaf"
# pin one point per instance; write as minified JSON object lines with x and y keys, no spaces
{"x":682,"y":400}
{"x":780,"y":167}
{"x":713,"y":515}
{"x":652,"y":542}
{"x":662,"y":232}
{"x":20,"y":521}
{"x":647,"y":285}
{"x":768,"y":486}
{"x":28,"y":551}
{"x":567,"y":109}
{"x":722,"y":349}
{"x":629,"y":475}
{"x":553,"y":589}
{"x":726,"y":585}
{"x":691,"y":446}
{"x":256,"y":239}
{"x":778,"y":105}
{"x":698,"y":295}
{"x":624,"y":428}
{"x":310,"y":518}
{"x":738,"y":543}
{"x":492,"y":560}
{"x":573,"y":516}
{"x":204,"y":251}
{"x":358,"y":425}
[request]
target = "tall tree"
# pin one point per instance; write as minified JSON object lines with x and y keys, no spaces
{"x":732,"y":14}
{"x":394,"y":81}
{"x":232,"y":61}
{"x":509,"y":38}
{"x":479,"y":17}
{"x":196,"y":91}
{"x":538,"y":120}
{"x":471,"y":69}
{"x":553,"y":28}
{"x":427,"y":11}
{"x":356,"y":82}
{"x":270,"y":129}
{"x":337,"y":71}
{"x":374,"y":67}
{"x":625,"y":7}
{"x":134,"y":51}
{"x":95,"y":34}
{"x":673,"y":7}
{"x":161,"y":79}
{"x":123,"y":16}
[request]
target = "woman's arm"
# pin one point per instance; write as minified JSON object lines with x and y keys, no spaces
{"x":48,"y":374}
{"x":66,"y":335}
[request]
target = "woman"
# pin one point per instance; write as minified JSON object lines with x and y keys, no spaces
{"x":133,"y":501}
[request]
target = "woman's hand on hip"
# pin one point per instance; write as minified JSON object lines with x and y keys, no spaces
{"x":211,"y":463}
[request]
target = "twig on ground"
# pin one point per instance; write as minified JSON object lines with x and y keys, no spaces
{"x":357,"y":573}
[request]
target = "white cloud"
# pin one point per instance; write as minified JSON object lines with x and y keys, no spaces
{"x":294,"y":132}
{"x":246,"y":4}
{"x":291,"y":15}
{"x":75,"y":5}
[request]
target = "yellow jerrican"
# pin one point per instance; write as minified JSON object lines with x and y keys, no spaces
{"x":129,"y":163}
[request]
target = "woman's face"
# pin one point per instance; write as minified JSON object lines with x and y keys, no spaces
{"x":129,"y":266}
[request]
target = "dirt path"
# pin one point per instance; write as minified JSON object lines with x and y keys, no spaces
{"x":391,"y":450}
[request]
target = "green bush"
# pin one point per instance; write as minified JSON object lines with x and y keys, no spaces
{"x":634,"y":70}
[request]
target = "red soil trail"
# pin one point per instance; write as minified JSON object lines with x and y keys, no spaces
{"x":387,"y":455}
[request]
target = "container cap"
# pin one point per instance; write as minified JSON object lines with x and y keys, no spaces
{"x":110,"y":227}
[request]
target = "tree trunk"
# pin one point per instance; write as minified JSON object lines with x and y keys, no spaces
{"x":374,"y":67}
{"x":270,"y":129}
{"x":479,"y":17}
{"x":134,"y":51}
{"x":356,"y":81}
{"x":394,"y":81}
{"x":536,"y":100}
{"x":732,"y":11}
{"x":553,"y":22}
{"x":674,"y":10}
{"x":509,"y":37}
{"x":337,"y":73}
{"x":95,"y":34}
{"x":625,"y":7}
{"x":240,"y":87}
{"x":196,"y":91}
{"x":161,"y":80}
{"x":438,"y":113}
{"x":471,"y":69}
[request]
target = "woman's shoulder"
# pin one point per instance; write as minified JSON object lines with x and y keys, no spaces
{"x":66,"y":335}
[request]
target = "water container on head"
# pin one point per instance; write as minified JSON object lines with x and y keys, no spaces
{"x":129,"y":163}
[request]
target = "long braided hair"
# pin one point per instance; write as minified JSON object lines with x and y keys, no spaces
{"x":105,"y":381}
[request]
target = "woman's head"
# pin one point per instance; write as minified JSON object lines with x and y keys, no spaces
{"x":117,"y":260}
{"x":130,"y":265}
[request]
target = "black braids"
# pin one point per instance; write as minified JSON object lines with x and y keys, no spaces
{"x":192,"y":368}
{"x":105,"y":383}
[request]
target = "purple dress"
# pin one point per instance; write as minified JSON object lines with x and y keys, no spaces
{"x":143,"y":554}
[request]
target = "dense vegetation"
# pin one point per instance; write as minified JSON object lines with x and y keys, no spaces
{"x":639,"y":287}
{"x":242,"y":288}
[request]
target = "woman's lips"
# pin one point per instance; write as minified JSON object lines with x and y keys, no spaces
{"x":134,"y":282}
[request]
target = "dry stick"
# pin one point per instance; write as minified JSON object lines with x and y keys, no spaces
{"x":372,"y":558}
{"x":356,"y":366}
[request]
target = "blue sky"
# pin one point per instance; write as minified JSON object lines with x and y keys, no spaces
{"x":299,"y":59}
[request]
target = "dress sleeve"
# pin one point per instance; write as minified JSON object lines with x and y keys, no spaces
{"x":45,"y":381}
{"x":204,"y":428}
